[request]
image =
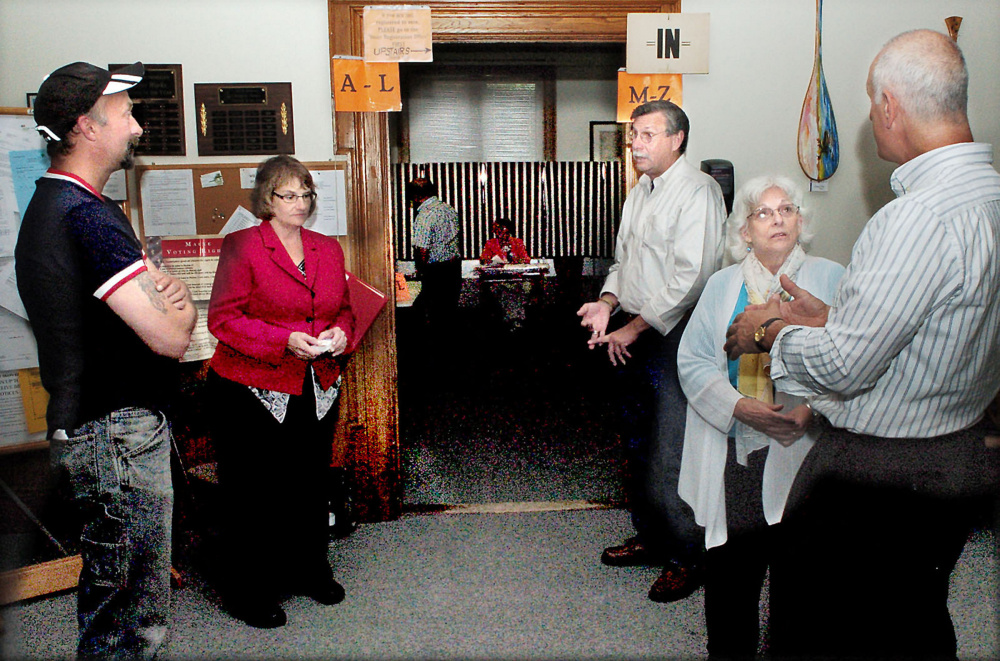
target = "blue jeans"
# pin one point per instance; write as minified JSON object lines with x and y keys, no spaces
{"x":118,"y":468}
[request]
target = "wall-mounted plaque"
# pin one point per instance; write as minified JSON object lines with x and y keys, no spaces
{"x":244,"y":118}
{"x":158,"y":106}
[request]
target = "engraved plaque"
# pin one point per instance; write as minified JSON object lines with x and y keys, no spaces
{"x":244,"y":118}
{"x":158,"y":106}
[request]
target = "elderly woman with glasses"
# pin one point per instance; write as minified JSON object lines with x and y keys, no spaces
{"x":744,"y":442}
{"x":281,"y":313}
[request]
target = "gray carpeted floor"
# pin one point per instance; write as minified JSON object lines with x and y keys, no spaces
{"x":474,"y":586}
{"x":512,"y":417}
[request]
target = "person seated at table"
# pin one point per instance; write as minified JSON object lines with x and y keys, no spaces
{"x":504,"y":247}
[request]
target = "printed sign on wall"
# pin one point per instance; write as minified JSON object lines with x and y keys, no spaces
{"x":361,"y":86}
{"x":667,"y":43}
{"x":637,"y":89}
{"x":397,"y":33}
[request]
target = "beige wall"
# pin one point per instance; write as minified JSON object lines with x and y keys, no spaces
{"x":214,"y":40}
{"x":746,"y":110}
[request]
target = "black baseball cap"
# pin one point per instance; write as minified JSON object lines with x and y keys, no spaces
{"x":72,"y":90}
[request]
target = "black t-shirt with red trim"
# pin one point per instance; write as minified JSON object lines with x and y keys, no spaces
{"x":74,"y":249}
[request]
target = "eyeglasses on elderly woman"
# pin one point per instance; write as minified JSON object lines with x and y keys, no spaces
{"x":766,"y":213}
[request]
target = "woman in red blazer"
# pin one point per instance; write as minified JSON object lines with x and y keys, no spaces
{"x":281,"y":313}
{"x":504,"y":247}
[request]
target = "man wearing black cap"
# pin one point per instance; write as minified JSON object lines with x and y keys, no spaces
{"x":110,"y":328}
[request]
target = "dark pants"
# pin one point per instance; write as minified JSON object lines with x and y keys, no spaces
{"x":735,"y":571}
{"x":654,"y":409}
{"x":440,"y":286}
{"x":275,"y":519}
{"x":873,"y":528}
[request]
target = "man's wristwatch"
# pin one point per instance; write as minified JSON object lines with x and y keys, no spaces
{"x":762,"y":331}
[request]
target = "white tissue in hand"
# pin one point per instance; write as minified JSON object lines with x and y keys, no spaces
{"x":325,"y":345}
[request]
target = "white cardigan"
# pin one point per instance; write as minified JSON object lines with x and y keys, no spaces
{"x":704,"y":376}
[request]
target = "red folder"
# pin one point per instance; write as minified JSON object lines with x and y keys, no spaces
{"x":366,"y":303}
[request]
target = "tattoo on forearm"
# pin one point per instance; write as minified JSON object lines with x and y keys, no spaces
{"x":148,"y":285}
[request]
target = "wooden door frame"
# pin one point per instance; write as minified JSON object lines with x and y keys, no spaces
{"x":370,"y":415}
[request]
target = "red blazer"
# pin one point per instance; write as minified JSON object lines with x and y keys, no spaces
{"x":494,"y":249}
{"x":259,"y":297}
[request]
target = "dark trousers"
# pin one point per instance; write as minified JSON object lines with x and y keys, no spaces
{"x":872,"y":531}
{"x":440,"y":286}
{"x":275,"y":515}
{"x":735,"y":571}
{"x":653,"y":410}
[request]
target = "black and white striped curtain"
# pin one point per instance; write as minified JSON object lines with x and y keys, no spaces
{"x":559,"y":209}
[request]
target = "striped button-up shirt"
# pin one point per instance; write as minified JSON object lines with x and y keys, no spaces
{"x":911,"y":348}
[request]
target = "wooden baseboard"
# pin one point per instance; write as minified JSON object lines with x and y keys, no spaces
{"x":36,"y":580}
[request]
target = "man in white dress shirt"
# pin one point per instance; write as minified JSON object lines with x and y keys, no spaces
{"x":900,"y":473}
{"x":669,"y":243}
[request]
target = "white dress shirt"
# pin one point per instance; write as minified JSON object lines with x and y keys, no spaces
{"x":911,"y":348}
{"x":669,"y":243}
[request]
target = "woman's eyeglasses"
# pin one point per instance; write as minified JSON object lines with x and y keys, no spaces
{"x":766,"y":213}
{"x":290,"y":198}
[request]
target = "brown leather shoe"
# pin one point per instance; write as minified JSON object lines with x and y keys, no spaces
{"x":676,"y":582}
{"x":629,"y":554}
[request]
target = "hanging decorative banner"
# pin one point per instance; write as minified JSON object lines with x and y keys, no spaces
{"x":397,"y":33}
{"x":667,"y":43}
{"x":361,"y":86}
{"x":819,"y":148}
{"x":637,"y":89}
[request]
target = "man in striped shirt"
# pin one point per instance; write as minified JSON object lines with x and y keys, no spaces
{"x":900,"y":475}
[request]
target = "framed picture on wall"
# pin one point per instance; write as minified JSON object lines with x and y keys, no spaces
{"x":30,"y":99}
{"x":607,"y":141}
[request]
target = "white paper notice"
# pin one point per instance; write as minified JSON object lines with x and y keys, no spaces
{"x":203,"y":343}
{"x":17,"y":343}
{"x":331,"y":209}
{"x":116,"y":189}
{"x":240,"y":220}
{"x":168,"y":203}
{"x":248,"y":178}
{"x":10,"y":215}
{"x":9,"y":298}
{"x":212,"y":179}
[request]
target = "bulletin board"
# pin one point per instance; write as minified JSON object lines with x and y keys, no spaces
{"x":218,"y":190}
{"x":22,"y":399}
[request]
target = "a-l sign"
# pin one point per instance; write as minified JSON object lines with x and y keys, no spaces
{"x":667,"y":43}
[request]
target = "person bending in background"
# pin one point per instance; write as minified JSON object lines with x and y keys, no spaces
{"x":281,"y":312}
{"x":110,"y":328}
{"x":436,"y":253}
{"x":743,"y":441}
{"x":504,"y":247}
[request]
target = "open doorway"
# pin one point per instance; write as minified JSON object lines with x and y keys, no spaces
{"x":370,"y":408}
{"x":507,"y":405}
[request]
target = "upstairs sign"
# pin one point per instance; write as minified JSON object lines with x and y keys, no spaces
{"x":397,"y":33}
